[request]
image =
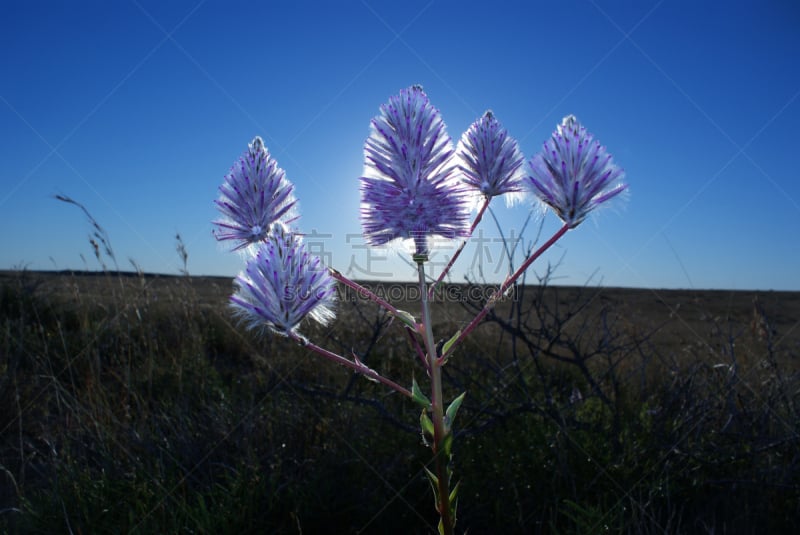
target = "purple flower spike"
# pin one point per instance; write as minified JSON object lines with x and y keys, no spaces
{"x":254,"y":195}
{"x":283,"y":283}
{"x":409,"y":188}
{"x":490,"y":159}
{"x":574,"y":174}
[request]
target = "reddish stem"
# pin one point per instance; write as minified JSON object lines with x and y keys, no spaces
{"x":362,"y":291}
{"x":508,"y":282}
{"x":358,"y":367}
{"x":418,"y":348}
{"x":372,"y":296}
{"x":446,"y":270}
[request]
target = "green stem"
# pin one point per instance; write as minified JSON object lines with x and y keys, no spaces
{"x":437,"y":409}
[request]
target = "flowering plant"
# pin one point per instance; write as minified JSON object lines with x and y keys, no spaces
{"x":415,"y":186}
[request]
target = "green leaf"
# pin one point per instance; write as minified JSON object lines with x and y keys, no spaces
{"x":454,"y":502}
{"x":406,"y":318}
{"x":447,"y":445}
{"x":427,"y":427}
{"x":454,"y":493}
{"x":418,"y":396}
{"x":434,"y":485}
{"x":434,"y":480}
{"x":447,"y":345}
{"x":450,"y":414}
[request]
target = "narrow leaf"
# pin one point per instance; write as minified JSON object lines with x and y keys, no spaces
{"x":418,"y":396}
{"x":427,"y":428}
{"x":434,"y":480}
{"x":434,"y":485}
{"x":407,"y":318}
{"x":454,"y":495}
{"x":365,"y":368}
{"x":450,"y":414}
{"x":454,"y":503}
{"x":447,"y":345}
{"x":447,"y":445}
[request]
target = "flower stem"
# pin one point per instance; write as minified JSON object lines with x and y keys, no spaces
{"x":446,"y":270}
{"x":362,"y":291}
{"x":506,"y":284}
{"x":372,"y":296}
{"x":505,"y":242}
{"x":437,"y":410}
{"x":357,"y":366}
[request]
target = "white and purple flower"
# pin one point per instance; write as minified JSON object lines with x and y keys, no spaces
{"x":254,"y":195}
{"x":283,"y":283}
{"x":574,"y":174}
{"x":491,"y":161}
{"x":410,"y":187}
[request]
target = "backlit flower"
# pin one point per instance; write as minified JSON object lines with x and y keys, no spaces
{"x":491,"y":161}
{"x":409,"y":188}
{"x":283,"y":283}
{"x":254,"y":195}
{"x":574,"y":174}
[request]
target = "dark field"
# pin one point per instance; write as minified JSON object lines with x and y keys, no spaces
{"x":137,"y":404}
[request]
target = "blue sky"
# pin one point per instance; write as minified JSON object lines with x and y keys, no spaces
{"x":137,"y":109}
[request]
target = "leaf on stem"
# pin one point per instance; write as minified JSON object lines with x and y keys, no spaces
{"x":418,"y":396}
{"x":454,"y":494}
{"x":447,"y":345}
{"x":454,"y":502}
{"x":447,"y":446}
{"x":450,"y":414}
{"x":427,"y":428}
{"x":434,"y":484}
{"x":406,"y":318}
{"x":366,"y":371}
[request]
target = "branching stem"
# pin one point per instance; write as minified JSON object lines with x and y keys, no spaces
{"x":446,"y":270}
{"x":357,"y":366}
{"x":506,"y":284}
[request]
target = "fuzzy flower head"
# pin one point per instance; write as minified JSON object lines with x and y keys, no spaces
{"x":409,"y":188}
{"x":282,"y":284}
{"x":490,"y":159}
{"x":574,"y":174}
{"x":254,"y":195}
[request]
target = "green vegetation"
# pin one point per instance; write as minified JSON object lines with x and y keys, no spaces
{"x":136,"y":404}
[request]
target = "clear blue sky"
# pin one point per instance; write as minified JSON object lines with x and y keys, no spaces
{"x":137,"y":109}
